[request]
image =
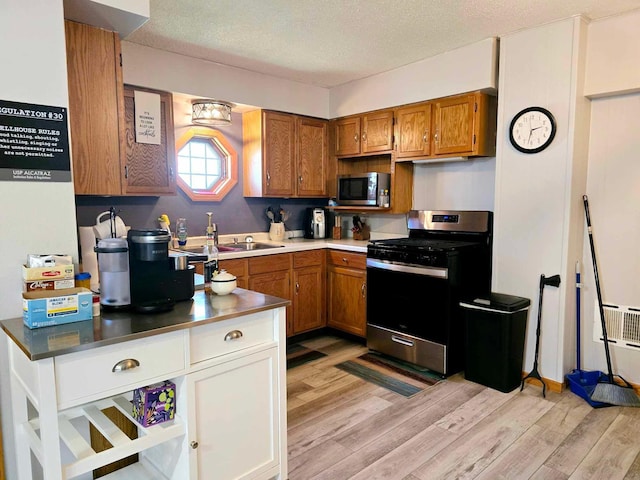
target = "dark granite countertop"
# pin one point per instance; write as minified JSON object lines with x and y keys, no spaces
{"x":117,"y":327}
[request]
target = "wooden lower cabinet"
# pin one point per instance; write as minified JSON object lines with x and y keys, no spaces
{"x":271,"y":274}
{"x":347,"y":292}
{"x":308,"y":294}
{"x":238,"y":267}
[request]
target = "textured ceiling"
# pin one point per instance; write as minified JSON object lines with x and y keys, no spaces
{"x":332,"y":42}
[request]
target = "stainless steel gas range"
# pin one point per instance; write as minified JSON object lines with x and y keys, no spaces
{"x":415,"y":284}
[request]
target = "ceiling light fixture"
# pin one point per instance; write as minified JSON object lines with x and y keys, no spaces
{"x":211,"y":112}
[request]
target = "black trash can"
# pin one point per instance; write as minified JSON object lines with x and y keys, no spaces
{"x":494,"y":340}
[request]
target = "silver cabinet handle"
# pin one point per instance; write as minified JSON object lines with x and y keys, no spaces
{"x":345,"y":260}
{"x":300,"y":179}
{"x":364,"y":137}
{"x":126,"y":364}
{"x":297,"y":287}
{"x":268,"y":178}
{"x":194,"y":444}
{"x":233,"y":335}
{"x":363,"y":290}
{"x":425,"y":136}
{"x":355,"y":138}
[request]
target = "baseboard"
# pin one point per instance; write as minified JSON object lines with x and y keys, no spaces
{"x":552,"y":385}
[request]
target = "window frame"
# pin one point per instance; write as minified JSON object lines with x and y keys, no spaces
{"x":217,"y":140}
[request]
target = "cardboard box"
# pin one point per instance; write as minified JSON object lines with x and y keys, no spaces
{"x":57,"y":272}
{"x":55,"y":307}
{"x":36,"y":285}
{"x":155,"y":403}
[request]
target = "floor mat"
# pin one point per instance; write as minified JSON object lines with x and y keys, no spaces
{"x":395,"y":375}
{"x":298,"y":355}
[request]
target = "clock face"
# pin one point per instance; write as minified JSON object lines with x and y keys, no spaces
{"x":532,"y":130}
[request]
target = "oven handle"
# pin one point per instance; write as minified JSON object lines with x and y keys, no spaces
{"x":437,"y":272}
{"x":402,"y":341}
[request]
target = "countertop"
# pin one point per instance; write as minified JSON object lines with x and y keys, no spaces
{"x":117,"y":327}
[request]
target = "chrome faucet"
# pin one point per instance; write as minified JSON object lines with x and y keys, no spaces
{"x":212,"y":230}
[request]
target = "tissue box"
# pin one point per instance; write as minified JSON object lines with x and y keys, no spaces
{"x":155,"y":403}
{"x":55,"y":307}
{"x":57,"y":272}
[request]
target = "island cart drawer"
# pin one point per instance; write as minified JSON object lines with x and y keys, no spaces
{"x":85,"y":376}
{"x":219,"y":338}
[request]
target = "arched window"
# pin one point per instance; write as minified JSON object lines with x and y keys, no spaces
{"x":207,"y":164}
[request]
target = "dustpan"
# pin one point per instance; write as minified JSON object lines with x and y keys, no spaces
{"x":581,"y":382}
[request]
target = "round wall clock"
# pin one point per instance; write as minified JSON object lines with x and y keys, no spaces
{"x":532,"y":130}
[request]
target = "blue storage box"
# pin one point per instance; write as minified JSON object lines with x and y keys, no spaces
{"x":56,"y":307}
{"x":155,"y":403}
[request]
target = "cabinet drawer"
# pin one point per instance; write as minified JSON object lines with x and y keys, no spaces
{"x":236,"y":266}
{"x":269,"y":263}
{"x":307,"y":258}
{"x":84,"y":376}
{"x":215,"y":339}
{"x":346,"y":259}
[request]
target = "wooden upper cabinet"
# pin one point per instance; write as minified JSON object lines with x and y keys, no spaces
{"x":464,"y":125}
{"x":347,"y":136}
{"x":96,"y":108}
{"x":106,"y":158}
{"x":313,"y":157}
{"x":364,"y":134}
{"x":284,"y":155}
{"x":377,"y":132}
{"x":279,"y":154}
{"x":413,"y":126}
{"x":149,"y":169}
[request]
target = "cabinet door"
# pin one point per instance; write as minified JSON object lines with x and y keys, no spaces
{"x":276,"y":283}
{"x":149,"y":168}
{"x":96,"y":109}
{"x":234,"y":418}
{"x":308,"y":299}
{"x":377,"y":134}
{"x":238,"y":267}
{"x":453,"y":123}
{"x":312,"y":157}
{"x":347,"y":300}
{"x":347,"y":133}
{"x":414,"y":131}
{"x":279,"y":154}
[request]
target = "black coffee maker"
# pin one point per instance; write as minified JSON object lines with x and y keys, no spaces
{"x":150,"y":273}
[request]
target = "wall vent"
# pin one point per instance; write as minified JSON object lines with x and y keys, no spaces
{"x":623,"y":325}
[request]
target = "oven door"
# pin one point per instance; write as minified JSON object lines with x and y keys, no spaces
{"x":409,"y":313}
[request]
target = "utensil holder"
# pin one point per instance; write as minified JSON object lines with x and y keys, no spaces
{"x":276,"y":231}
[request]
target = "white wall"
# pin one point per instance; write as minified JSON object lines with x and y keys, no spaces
{"x":465,"y":185}
{"x":466,"y":69}
{"x":613,"y":187}
{"x":36,"y":217}
{"x":612,"y":62}
{"x":533,"y":196}
{"x":149,"y":67}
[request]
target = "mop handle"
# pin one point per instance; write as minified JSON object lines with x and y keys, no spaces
{"x":597,"y":279}
{"x":578,"y":285}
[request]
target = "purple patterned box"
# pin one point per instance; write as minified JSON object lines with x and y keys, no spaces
{"x":155,"y":403}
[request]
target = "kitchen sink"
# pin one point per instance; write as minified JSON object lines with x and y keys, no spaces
{"x":248,"y":246}
{"x":231,"y":247}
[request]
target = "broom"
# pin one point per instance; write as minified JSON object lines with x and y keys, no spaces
{"x":610,"y":391}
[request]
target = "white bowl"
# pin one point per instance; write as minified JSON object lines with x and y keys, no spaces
{"x":223,"y":283}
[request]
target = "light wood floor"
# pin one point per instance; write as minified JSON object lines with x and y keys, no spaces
{"x":341,"y":427}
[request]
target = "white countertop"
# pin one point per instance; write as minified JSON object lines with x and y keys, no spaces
{"x":295,"y":244}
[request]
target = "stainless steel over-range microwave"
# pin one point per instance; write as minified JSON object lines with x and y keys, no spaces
{"x":364,"y":189}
